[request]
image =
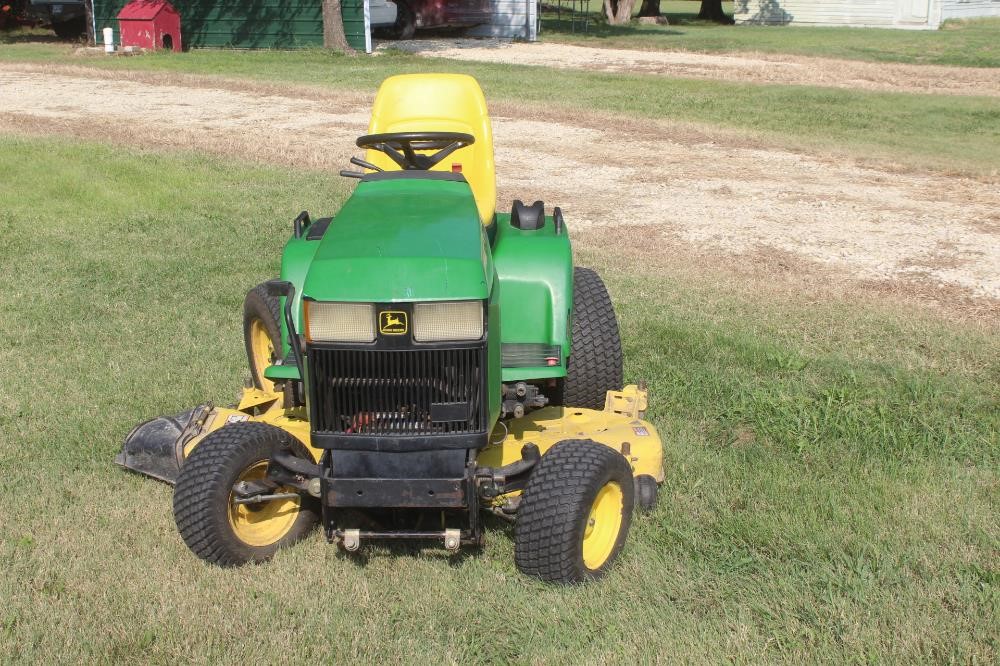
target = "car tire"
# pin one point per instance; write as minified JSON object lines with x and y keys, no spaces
{"x":406,"y":22}
{"x":70,"y":30}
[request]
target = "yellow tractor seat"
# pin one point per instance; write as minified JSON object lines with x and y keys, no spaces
{"x":441,"y":103}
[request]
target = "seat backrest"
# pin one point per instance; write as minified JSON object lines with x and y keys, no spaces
{"x":441,"y":103}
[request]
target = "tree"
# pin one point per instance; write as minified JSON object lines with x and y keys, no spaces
{"x":650,"y":8}
{"x":618,"y":12}
{"x":333,"y":27}
{"x":88,"y":12}
{"x":711,"y":10}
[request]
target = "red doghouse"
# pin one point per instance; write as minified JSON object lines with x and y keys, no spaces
{"x":151,"y":24}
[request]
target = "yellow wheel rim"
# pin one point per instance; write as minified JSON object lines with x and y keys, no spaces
{"x":603,"y":525}
{"x":262,"y":351}
{"x":265,"y":523}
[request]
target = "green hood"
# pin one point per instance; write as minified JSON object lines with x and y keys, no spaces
{"x":403,"y":238}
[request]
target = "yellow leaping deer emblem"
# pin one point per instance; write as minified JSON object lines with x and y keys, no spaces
{"x":393,"y":322}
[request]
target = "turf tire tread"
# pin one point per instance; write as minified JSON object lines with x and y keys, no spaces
{"x":646,"y":492}
{"x":260,"y":303}
{"x":595,"y":362}
{"x":556,"y":504}
{"x":201,"y":496}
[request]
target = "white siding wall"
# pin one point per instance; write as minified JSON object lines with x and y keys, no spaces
{"x":874,"y":13}
{"x":969,"y":8}
{"x":513,"y":19}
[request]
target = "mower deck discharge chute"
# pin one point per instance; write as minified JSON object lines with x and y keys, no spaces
{"x":421,"y":361}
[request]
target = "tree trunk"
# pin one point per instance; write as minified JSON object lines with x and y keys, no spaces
{"x":333,"y":27}
{"x":650,"y":8}
{"x":618,"y":12}
{"x":711,"y":10}
{"x":88,"y":13}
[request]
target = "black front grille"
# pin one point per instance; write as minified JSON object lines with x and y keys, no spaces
{"x":396,"y":392}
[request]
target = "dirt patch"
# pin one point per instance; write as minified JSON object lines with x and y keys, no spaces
{"x":742,"y":68}
{"x":774,"y":275}
{"x":730,"y":198}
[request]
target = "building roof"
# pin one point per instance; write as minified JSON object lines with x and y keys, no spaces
{"x":145,"y":10}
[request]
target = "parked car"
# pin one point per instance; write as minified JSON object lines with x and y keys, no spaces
{"x":414,"y":14}
{"x":382,"y":13}
{"x":68,"y":17}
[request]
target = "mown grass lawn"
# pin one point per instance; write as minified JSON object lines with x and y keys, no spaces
{"x":948,"y":132}
{"x":832,"y":464}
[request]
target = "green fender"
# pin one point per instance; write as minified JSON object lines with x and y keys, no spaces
{"x":535,"y":271}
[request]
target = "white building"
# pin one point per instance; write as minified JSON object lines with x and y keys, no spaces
{"x":512,"y":19}
{"x":909,"y":14}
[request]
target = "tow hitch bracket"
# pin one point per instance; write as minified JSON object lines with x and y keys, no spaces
{"x":351,"y":540}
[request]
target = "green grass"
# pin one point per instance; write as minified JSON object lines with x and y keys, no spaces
{"x":831,"y":489}
{"x":971,"y":43}
{"x":925,"y":131}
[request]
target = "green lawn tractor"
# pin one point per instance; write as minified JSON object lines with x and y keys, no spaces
{"x":422,"y":361}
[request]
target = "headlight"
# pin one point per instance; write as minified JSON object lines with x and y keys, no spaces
{"x":451,"y":320}
{"x":339,"y":322}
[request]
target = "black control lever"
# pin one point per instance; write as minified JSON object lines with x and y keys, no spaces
{"x":287,"y":289}
{"x":351,"y":174}
{"x":300,"y":223}
{"x":367,"y":165}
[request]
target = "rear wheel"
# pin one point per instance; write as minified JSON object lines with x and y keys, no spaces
{"x":261,"y":333}
{"x":575,"y":513}
{"x":212,"y":524}
{"x":595,"y":362}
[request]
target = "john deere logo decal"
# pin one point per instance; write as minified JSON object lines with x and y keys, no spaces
{"x":392,"y":322}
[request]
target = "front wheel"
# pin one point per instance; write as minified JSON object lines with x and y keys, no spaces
{"x":212,"y":524}
{"x":575,"y":513}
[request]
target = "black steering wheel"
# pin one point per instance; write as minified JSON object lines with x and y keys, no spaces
{"x":402,"y":147}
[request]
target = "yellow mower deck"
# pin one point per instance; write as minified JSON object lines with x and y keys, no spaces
{"x":619,"y":426}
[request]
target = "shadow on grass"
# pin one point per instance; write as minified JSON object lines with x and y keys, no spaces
{"x":593,"y":24}
{"x":32,"y":37}
{"x":404,"y":549}
{"x":493,"y":527}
